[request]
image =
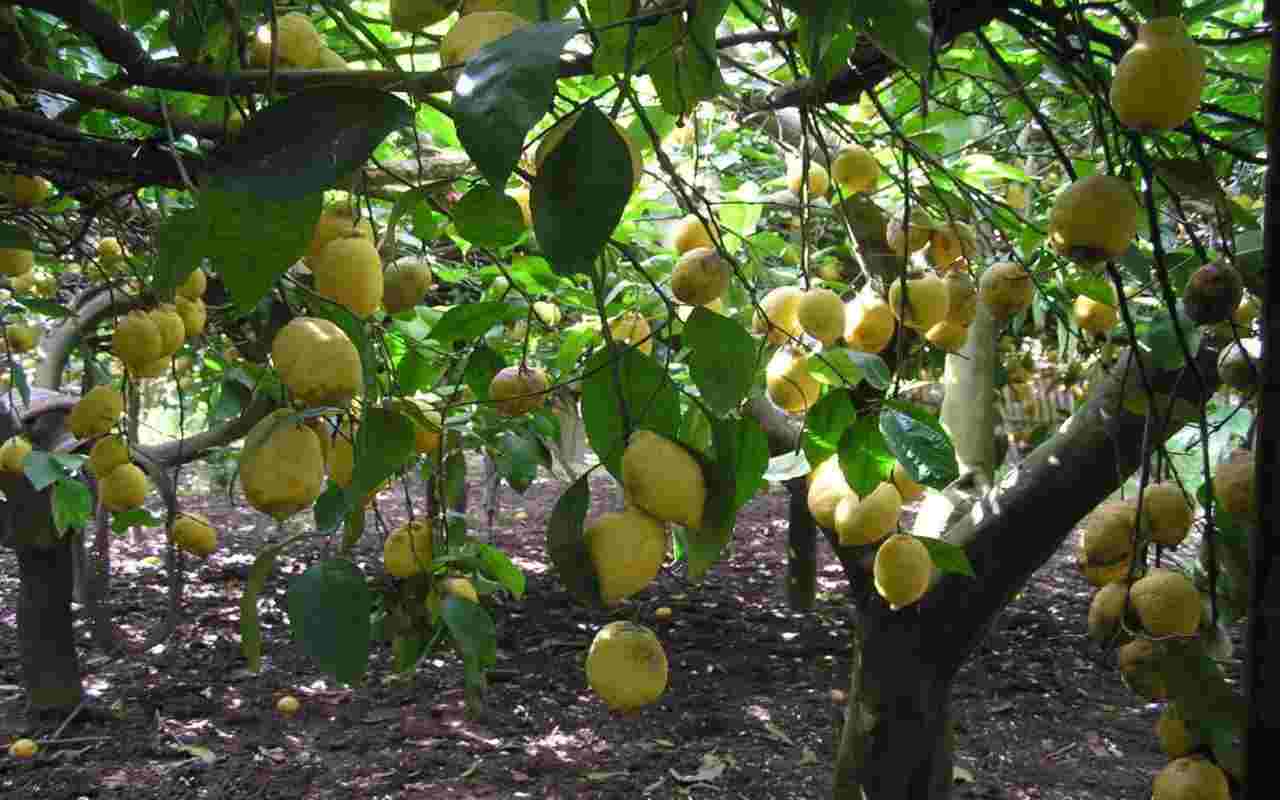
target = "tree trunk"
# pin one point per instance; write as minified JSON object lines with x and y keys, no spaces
{"x":802,"y":549}
{"x":46,"y":640}
{"x":897,"y":741}
{"x":970,"y":376}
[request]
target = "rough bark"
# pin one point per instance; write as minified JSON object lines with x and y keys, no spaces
{"x":46,"y":640}
{"x":802,"y":549}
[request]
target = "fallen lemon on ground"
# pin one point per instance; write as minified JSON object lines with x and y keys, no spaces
{"x":627,"y":666}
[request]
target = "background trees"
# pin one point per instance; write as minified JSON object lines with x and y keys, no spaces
{"x":526,"y":218}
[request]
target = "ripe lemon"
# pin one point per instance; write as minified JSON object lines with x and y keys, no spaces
{"x":630,"y":328}
{"x":821,"y":315}
{"x":1167,"y":603}
{"x":907,"y":488}
{"x":404,"y":285}
{"x":193,"y":533}
{"x":516,"y":391}
{"x":1168,"y":514}
{"x":407,"y":551}
{"x":317,"y":362}
{"x":288,"y":705}
{"x":281,"y":465}
{"x":1094,"y":220}
{"x":818,"y":179}
{"x":299,"y":44}
{"x":124,"y":488}
{"x":23,"y":748}
{"x":1158,"y":81}
{"x":137,"y":341}
{"x":1006,"y":289}
{"x":663,"y":479}
{"x":626,"y":666}
{"x":903,"y":239}
{"x":689,"y":234}
{"x":335,"y":223}
{"x":96,"y":413}
{"x":473,"y":31}
{"x":173,"y":332}
{"x":869,"y":323}
{"x":855,"y":169}
{"x":1190,"y":778}
{"x":414,"y":15}
{"x":106,"y":454}
{"x":1140,"y":668}
{"x":789,"y":383}
{"x":951,"y":245}
{"x":780,"y":321}
{"x":925,"y":303}
{"x":12,"y":453}
{"x":871,"y":519}
{"x":349,"y":272}
{"x":902,"y":570}
{"x":193,"y":313}
{"x":962,"y":299}
{"x":1094,"y":317}
{"x":627,"y":548}
{"x":21,"y":338}
{"x":1106,"y":543}
{"x":16,"y":261}
{"x":699,"y":277}
{"x":194,"y":285}
{"x":827,"y":487}
{"x":1233,"y":487}
{"x":1105,"y":611}
{"x":947,"y":335}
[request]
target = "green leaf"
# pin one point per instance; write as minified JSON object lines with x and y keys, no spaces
{"x":18,"y":377}
{"x":250,"y":629}
{"x":750,"y":454}
{"x":723,"y":359}
{"x":136,"y":518}
{"x":43,"y":469}
{"x":900,"y":29}
{"x":640,"y":43}
{"x":406,"y":650}
{"x":532,"y":9}
{"x":176,"y":257}
{"x":72,"y":504}
{"x":817,"y":30}
{"x":864,"y":457}
{"x":566,"y":546}
{"x":650,"y":397}
{"x":304,"y":143}
{"x":580,"y":192}
{"x":48,"y":308}
{"x":251,"y":241}
{"x":384,"y":444}
{"x":472,"y":629}
{"x":918,"y":442}
{"x":948,"y":557}
{"x":502,"y":92}
{"x":14,"y":238}
{"x":825,"y":423}
{"x":498,"y":566}
{"x":1159,"y":338}
{"x":483,"y":364}
{"x":470,"y":320}
{"x":518,"y":459}
{"x":837,"y":366}
{"x":488,"y":218}
{"x":331,"y":508}
{"x":329,"y":607}
{"x":689,"y":71}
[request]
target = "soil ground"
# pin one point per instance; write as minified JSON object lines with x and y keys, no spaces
{"x":748,"y":712}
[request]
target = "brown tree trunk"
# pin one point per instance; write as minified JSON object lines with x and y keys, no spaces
{"x":802,"y":549}
{"x":46,"y":640}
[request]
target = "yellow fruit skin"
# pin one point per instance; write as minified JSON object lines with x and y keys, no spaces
{"x":1094,"y":219}
{"x":1176,"y":737}
{"x":106,"y":454}
{"x":25,"y":191}
{"x":340,"y":456}
{"x":288,"y":705}
{"x":15,"y":262}
{"x":819,"y":181}
{"x":23,"y":748}
{"x":925,"y":304}
{"x":473,"y":31}
{"x":1168,"y":513}
{"x":780,"y":321}
{"x":907,"y":488}
{"x":1107,"y":536}
{"x":549,"y":313}
{"x":414,"y":15}
{"x":1233,"y":488}
{"x":1104,"y":611}
{"x":902,"y":570}
{"x":173,"y":331}
{"x":317,"y":362}
{"x":951,"y":246}
{"x":404,"y":285}
{"x":1190,"y":778}
{"x":407,"y":551}
{"x":281,"y":465}
{"x":962,"y":299}
{"x":1094,"y":317}
{"x":515,"y":391}
{"x":96,"y":413}
{"x":21,"y":338}
{"x":627,"y":549}
{"x":349,"y":272}
{"x":124,"y":488}
{"x":195,"y":285}
{"x":630,"y":328}
{"x":1006,"y":289}
{"x":689,"y":234}
{"x":330,"y":60}
{"x":193,"y":313}
{"x":947,"y":335}
{"x":521,"y":196}
{"x":1158,"y":82}
{"x":903,"y":239}
{"x":872,"y":519}
{"x":855,"y":169}
{"x":869,"y":323}
{"x":1167,"y":603}
{"x":194,"y":534}
{"x":137,"y":341}
{"x":789,"y":384}
{"x":626,"y":666}
{"x":335,"y":224}
{"x":300,"y":43}
{"x":821,"y":315}
{"x":663,"y":479}
{"x":1140,"y":668}
{"x":699,"y":277}
{"x":12,"y":453}
{"x":827,"y":487}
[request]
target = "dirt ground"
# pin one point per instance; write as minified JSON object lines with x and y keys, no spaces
{"x":747,"y":713}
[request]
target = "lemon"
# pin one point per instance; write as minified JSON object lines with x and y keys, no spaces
{"x":662,"y":478}
{"x":407,"y":551}
{"x":317,"y":362}
{"x":96,"y":413}
{"x":123,"y":488}
{"x":902,"y":570}
{"x":626,"y":666}
{"x":281,"y":465}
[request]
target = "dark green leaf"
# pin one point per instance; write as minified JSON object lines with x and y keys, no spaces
{"x":406,"y":650}
{"x":918,"y":442}
{"x":1160,"y":340}
{"x":331,"y":508}
{"x":417,"y":372}
{"x":250,"y":629}
{"x":137,"y":518}
{"x":472,"y":630}
{"x":304,"y":143}
{"x":329,"y":607}
{"x":49,"y":308}
{"x":14,"y":238}
{"x":470,"y":320}
{"x":864,"y":457}
{"x":650,"y":398}
{"x":178,"y":252}
{"x":518,"y":459}
{"x":816,"y":32}
{"x":72,"y":504}
{"x":483,"y":364}
{"x":837,"y":366}
{"x":900,"y":29}
{"x":18,"y":376}
{"x":689,"y":70}
{"x":502,"y":92}
{"x":723,"y":359}
{"x":488,"y":218}
{"x":580,"y":192}
{"x":566,"y":547}
{"x":751,"y":455}
{"x":618,"y":43}
{"x":455,"y":479}
{"x":825,"y":423}
{"x":384,"y":444}
{"x":43,"y":469}
{"x":948,"y":557}
{"x":251,"y":241}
